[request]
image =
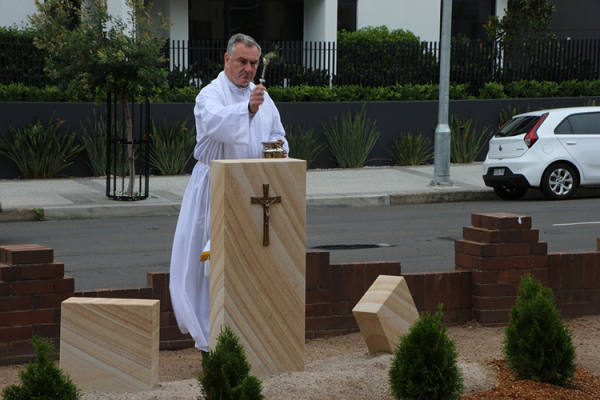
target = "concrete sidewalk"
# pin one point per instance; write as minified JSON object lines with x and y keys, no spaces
{"x":84,"y":198}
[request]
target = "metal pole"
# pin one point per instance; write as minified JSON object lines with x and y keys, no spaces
{"x":441,"y":161}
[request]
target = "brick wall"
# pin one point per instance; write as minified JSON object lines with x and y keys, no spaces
{"x":496,"y":250}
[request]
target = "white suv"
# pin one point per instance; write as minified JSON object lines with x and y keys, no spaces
{"x":553,"y":150}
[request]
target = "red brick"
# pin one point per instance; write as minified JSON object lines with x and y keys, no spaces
{"x":589,"y":269}
{"x":480,"y":249}
{"x":541,"y":274}
{"x":360,"y":281}
{"x":485,"y":277}
{"x":342,"y":322}
{"x":15,"y":334}
{"x":312,"y":324}
{"x":453,"y":317}
{"x":5,"y":320}
{"x":147,"y":293}
{"x":395,"y":268}
{"x":511,"y":276}
{"x":171,"y":333}
{"x":514,"y":249}
{"x":514,"y":236}
{"x":308,"y":311}
{"x":467,"y":261}
{"x":539,"y":248}
{"x":571,"y":310}
{"x":335,"y":285}
{"x":459,"y":246}
{"x":471,"y":233}
{"x":64,"y":285}
{"x":312,"y":267}
{"x":28,"y":254}
{"x":485,"y":303}
{"x":348,"y":282}
{"x":32,"y":287}
{"x":476,"y":220}
{"x":454,"y":290}
{"x":443,"y":288}
{"x":33,"y":317}
{"x":16,"y":303}
{"x":531,"y":262}
{"x":4,"y":289}
{"x":497,"y":290}
{"x":554,"y":271}
{"x":418,"y":292}
{"x":86,"y":293}
{"x":50,"y":300}
{"x":566,"y":273}
{"x":531,"y":235}
{"x":321,"y":310}
{"x":578,"y":271}
{"x":317,"y":296}
{"x":496,"y":263}
{"x":10,"y":273}
{"x":430,"y":292}
{"x":34,"y":271}
{"x":489,"y":236}
{"x":324,"y":271}
{"x":372,"y":273}
{"x":466,"y":289}
{"x":506,"y":303}
{"x":54,"y":270}
{"x":491,"y":317}
{"x":383,"y":268}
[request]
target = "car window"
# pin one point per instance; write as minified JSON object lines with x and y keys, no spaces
{"x":580,"y":124}
{"x":517,"y":126}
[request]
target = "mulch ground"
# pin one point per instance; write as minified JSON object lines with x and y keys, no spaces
{"x":585,"y":387}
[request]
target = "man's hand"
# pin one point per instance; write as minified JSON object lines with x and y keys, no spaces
{"x":285,"y":154}
{"x":257,"y":97}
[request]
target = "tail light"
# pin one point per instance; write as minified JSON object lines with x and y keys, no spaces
{"x":531,"y":137}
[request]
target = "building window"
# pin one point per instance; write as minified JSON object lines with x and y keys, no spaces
{"x":262,"y":19}
{"x":346,"y":15}
{"x":469,"y":16}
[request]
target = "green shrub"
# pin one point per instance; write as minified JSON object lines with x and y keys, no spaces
{"x":465,"y":141}
{"x":424,"y":364}
{"x":351,"y":138}
{"x":171,"y":147}
{"x":537,"y":343}
{"x":411,"y":150}
{"x":186,"y":94}
{"x":39,"y":151}
{"x":492,"y":90}
{"x":226,"y":372}
{"x":303,"y":144}
{"x":42,"y":379}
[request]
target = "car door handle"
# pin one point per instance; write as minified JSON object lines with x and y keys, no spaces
{"x":571,"y":143}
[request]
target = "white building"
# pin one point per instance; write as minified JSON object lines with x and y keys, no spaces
{"x":297,"y":20}
{"x":319,"y":20}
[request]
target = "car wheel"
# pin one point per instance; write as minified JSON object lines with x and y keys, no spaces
{"x":510,"y":193}
{"x":559,"y":182}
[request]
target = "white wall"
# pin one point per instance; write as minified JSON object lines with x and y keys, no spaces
{"x":177,"y":12}
{"x":16,"y":12}
{"x":320,"y":20}
{"x":421,"y":17}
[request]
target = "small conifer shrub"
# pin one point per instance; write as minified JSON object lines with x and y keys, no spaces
{"x":42,"y":379}
{"x":225,"y":371}
{"x":537,"y":344}
{"x":424,"y":364}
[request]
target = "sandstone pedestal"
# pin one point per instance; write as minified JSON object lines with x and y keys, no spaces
{"x":385,"y":312}
{"x":258,"y":251}
{"x":110,"y":345}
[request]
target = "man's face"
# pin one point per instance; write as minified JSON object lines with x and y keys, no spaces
{"x":241,"y":66}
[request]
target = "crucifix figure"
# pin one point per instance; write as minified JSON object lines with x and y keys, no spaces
{"x":266,"y":202}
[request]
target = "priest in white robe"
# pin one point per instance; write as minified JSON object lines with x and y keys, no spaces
{"x":233,"y":116}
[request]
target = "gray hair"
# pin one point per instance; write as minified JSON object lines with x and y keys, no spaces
{"x":241,"y":38}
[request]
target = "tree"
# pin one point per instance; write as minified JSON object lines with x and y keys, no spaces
{"x":90,"y":49}
{"x":524,"y":19}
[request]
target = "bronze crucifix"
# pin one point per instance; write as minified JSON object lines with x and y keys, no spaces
{"x":266,"y":202}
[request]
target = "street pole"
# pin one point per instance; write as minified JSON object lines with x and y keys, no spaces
{"x":441,"y":160}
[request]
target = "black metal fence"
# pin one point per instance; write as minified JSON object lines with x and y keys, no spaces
{"x":381,"y":64}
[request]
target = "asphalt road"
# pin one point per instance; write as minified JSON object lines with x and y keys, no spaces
{"x":114,"y":253}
